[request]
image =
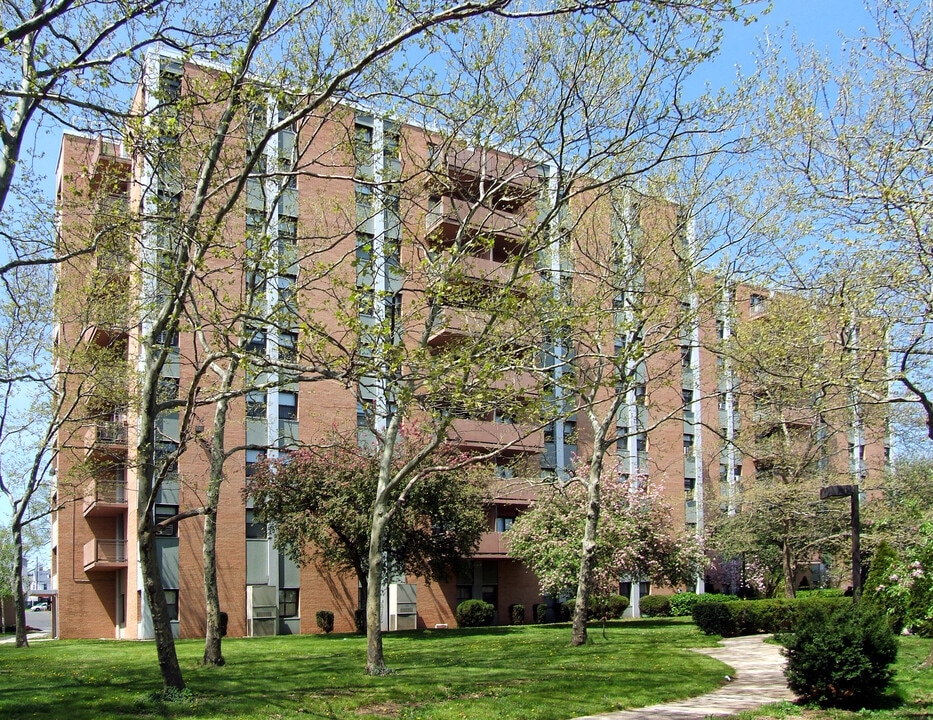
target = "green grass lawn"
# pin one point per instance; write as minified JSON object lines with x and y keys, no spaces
{"x":527,"y":673}
{"x":910,"y":698}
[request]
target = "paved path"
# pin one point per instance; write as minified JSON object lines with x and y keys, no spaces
{"x":758,"y":680}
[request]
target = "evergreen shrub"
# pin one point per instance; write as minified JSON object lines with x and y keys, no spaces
{"x":655,"y":605}
{"x":840,"y":656}
{"x":474,"y":613}
{"x":517,"y":614}
{"x":325,"y":620}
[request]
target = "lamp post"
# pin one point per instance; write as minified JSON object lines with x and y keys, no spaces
{"x":852,"y":492}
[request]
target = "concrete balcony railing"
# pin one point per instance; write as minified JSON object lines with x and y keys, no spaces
{"x":104,"y":555}
{"x":487,"y":434}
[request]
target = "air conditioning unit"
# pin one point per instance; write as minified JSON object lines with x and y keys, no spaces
{"x":403,"y":606}
{"x":262,"y":610}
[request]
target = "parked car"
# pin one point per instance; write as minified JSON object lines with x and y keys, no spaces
{"x":40,"y":607}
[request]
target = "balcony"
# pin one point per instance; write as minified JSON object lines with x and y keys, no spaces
{"x":492,"y":545}
{"x":104,"y":555}
{"x":458,"y":323}
{"x":489,"y":435}
{"x":472,"y":165}
{"x":106,"y":163}
{"x":107,"y":436}
{"x":449,"y":217}
{"x":105,"y":498}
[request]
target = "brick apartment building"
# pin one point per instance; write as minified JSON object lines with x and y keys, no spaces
{"x":354,"y":208}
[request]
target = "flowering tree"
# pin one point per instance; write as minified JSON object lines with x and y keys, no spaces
{"x":635,"y":536}
{"x":318,"y":503}
{"x":907,"y":590}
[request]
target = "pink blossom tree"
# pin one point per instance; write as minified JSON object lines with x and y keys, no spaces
{"x":635,"y":536}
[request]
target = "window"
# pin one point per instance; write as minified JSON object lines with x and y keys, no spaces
{"x":685,"y":356}
{"x":167,"y":389}
{"x":288,"y":231}
{"x":164,"y":512}
{"x":288,"y":346}
{"x":171,"y":603}
{"x":256,"y":404}
{"x":688,"y":443}
{"x":391,"y":140}
{"x":257,"y":341}
{"x":722,"y":401}
{"x":641,"y":442}
{"x":687,"y":396}
{"x":720,"y":329}
{"x":504,"y":523}
{"x":288,"y":602}
{"x":365,"y":412}
{"x":756,"y":303}
{"x":288,"y":405}
{"x":255,"y":529}
{"x":253,"y":457}
{"x":364,"y":201}
{"x":690,"y":485}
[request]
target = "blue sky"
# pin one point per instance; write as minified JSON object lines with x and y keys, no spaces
{"x":816,"y":22}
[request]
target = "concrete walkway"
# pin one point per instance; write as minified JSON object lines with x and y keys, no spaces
{"x":758,"y":679}
{"x":11,"y":639}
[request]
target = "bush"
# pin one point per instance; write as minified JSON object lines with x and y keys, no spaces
{"x":747,"y":617}
{"x":540,"y":613}
{"x":612,"y":607}
{"x":517,"y":614}
{"x":714,"y":618}
{"x":565,"y":610}
{"x":474,"y":613}
{"x":682,"y":603}
{"x":655,"y":605}
{"x":840,"y":656}
{"x":325,"y":620}
{"x":359,"y":620}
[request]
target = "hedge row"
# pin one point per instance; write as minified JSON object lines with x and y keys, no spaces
{"x":679,"y":605}
{"x":750,"y":617}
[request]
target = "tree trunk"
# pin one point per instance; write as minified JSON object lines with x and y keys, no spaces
{"x":578,"y":632}
{"x":375,"y":660}
{"x":161,"y":624}
{"x":213,"y":654}
{"x":19,"y":601}
{"x":787,"y":567}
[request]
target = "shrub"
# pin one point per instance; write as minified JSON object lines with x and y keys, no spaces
{"x":612,"y":607}
{"x":325,"y":620}
{"x":840,"y":656}
{"x":747,"y":617}
{"x":713,"y":618}
{"x":359,"y":620}
{"x":517,"y":614}
{"x":655,"y":605}
{"x":474,"y":613}
{"x":540,"y":613}
{"x":565,"y":610}
{"x":682,"y":603}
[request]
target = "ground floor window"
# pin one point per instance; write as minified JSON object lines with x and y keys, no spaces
{"x":288,"y":602}
{"x":171,"y":603}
